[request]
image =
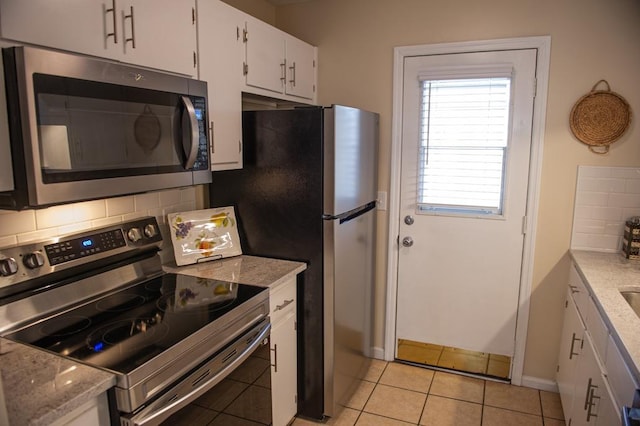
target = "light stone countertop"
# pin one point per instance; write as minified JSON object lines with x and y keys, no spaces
{"x":605,"y":274}
{"x":258,"y":271}
{"x":40,"y":387}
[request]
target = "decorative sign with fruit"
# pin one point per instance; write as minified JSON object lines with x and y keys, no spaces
{"x":203,"y":235}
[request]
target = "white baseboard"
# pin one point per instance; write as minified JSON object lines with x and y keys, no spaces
{"x":540,"y":384}
{"x":377,"y":353}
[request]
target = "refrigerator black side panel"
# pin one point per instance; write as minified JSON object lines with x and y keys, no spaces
{"x":278,"y":197}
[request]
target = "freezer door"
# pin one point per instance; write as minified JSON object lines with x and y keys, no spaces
{"x":348,"y":314}
{"x":350,"y":158}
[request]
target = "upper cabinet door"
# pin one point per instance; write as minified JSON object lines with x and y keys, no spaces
{"x":84,"y":26}
{"x":220,"y":29}
{"x":159,"y":34}
{"x":301,"y":68}
{"x":162,"y":31}
{"x":265,"y":63}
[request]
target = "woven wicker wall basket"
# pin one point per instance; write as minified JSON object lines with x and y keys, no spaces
{"x":600,"y":118}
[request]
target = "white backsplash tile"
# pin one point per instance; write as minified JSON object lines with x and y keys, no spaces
{"x":35,"y":225}
{"x":605,"y":198}
{"x":120,"y":205}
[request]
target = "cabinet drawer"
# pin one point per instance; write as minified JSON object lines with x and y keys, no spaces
{"x":579,"y":291}
{"x":282,"y":301}
{"x":597,"y":329}
{"x":621,"y":380}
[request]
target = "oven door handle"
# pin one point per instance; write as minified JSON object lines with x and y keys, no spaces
{"x":200,"y":380}
{"x":190,"y":132}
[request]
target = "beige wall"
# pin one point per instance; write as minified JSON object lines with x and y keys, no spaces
{"x":261,"y":9}
{"x":590,"y":40}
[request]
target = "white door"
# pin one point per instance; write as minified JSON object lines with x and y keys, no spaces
{"x":466,"y":141}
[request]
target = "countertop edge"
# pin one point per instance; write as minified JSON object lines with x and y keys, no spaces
{"x":604,"y":275}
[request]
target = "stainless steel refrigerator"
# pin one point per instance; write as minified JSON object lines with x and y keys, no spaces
{"x":307,"y":192}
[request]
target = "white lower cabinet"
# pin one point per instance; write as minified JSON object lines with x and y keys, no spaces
{"x":586,"y":390}
{"x":94,"y":412}
{"x":284,"y":358}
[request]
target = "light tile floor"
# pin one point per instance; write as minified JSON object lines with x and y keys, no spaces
{"x":398,"y":394}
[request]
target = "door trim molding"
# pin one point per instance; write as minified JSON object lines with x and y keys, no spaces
{"x":543,"y":46}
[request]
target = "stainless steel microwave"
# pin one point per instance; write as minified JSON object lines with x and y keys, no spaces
{"x":82,"y":128}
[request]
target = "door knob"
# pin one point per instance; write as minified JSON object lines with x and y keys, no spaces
{"x":408,"y":220}
{"x":407,"y":241}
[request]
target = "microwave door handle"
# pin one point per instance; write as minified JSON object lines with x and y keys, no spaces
{"x":190,"y":132}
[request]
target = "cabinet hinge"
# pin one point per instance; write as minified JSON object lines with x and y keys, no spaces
{"x":193,"y":16}
{"x":237,"y":33}
{"x":524,"y":225}
{"x":566,"y":303}
{"x":245,"y":68}
{"x":239,"y":146}
{"x":245,"y":35}
{"x":295,"y":325}
{"x":295,"y":398}
{"x":195,"y":59}
{"x":314,"y":88}
{"x":557,"y":368}
{"x":314,"y":63}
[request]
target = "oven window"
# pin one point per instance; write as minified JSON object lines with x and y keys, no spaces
{"x":91,"y":130}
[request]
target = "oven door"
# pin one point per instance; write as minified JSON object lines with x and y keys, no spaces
{"x":236,"y":359}
{"x":92,"y":129}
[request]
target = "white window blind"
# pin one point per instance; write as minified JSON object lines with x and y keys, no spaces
{"x":464,"y":130}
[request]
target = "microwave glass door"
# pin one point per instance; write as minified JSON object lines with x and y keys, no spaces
{"x":94,"y":130}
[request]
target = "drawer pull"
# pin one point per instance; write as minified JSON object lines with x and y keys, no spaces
{"x":284,"y":305}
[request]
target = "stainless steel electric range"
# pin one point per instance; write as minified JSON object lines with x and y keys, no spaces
{"x":101,"y":298}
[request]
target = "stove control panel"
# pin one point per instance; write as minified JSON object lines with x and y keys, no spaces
{"x":23,"y":263}
{"x":84,"y":246}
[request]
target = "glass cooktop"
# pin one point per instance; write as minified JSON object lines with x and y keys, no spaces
{"x":124,"y":329}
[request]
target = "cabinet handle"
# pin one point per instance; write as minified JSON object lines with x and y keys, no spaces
{"x":213,"y":145}
{"x":574,"y":289}
{"x":589,"y":397}
{"x":112,"y":10}
{"x":574,"y":339}
{"x":283,"y":71}
{"x":275,"y":357}
{"x":133,"y":28}
{"x":293,"y":73}
{"x":284,"y":305}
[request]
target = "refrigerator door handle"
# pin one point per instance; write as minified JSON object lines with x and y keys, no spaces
{"x":351,"y":214}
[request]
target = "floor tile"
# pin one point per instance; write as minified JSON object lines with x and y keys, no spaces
{"x":347,"y":417}
{"x":516,"y":398}
{"x":375,"y":370}
{"x":440,"y":411}
{"x":399,"y":404}
{"x":250,"y":370}
{"x":227,"y":420}
{"x":361,"y":395}
{"x":368,"y":419}
{"x":551,"y":405}
{"x":553,"y":422}
{"x":221,"y":395}
{"x":407,"y":377}
{"x":253,"y":404}
{"x":457,"y":387}
{"x":492,"y":416}
{"x":191,"y":415}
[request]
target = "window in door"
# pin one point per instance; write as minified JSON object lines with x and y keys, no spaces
{"x":464,"y":133}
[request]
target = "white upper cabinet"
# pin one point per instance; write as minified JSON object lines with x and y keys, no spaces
{"x":301,"y":68}
{"x":220,"y":29}
{"x":278,"y":63}
{"x":153,"y":33}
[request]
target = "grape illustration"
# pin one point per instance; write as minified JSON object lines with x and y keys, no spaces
{"x":182,"y":229}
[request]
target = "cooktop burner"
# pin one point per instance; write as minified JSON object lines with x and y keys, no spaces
{"x":136,"y":323}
